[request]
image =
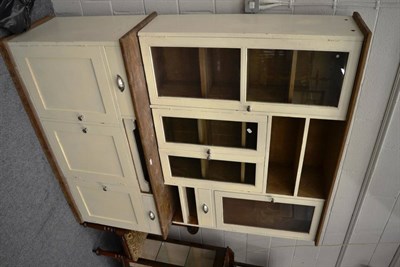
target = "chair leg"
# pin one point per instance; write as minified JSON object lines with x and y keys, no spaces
{"x":102,"y":252}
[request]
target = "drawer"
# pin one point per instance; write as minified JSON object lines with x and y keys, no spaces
{"x":116,"y":69}
{"x":108,"y":204}
{"x":296,"y":218}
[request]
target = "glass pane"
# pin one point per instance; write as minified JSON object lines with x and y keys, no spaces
{"x":299,"y":77}
{"x":268,"y":75}
{"x":212,"y":73}
{"x":289,"y":217}
{"x":319,"y":78}
{"x":211,"y":132}
{"x":215,"y":170}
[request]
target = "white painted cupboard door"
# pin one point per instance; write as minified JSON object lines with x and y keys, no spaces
{"x":67,"y":83}
{"x":91,"y":152}
{"x":102,"y":203}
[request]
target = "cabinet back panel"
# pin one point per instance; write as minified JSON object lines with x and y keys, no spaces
{"x":321,"y":157}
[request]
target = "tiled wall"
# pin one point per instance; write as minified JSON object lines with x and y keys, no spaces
{"x":376,"y":234}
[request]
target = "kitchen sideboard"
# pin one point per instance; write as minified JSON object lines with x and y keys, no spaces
{"x":231,"y":122}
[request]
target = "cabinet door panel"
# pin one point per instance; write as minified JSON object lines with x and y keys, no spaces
{"x":202,"y":170}
{"x":205,"y":207}
{"x":107,"y":204}
{"x":100,"y":154}
{"x":149,"y":208}
{"x":230,"y":133}
{"x":269,"y":215}
{"x":67,"y":83}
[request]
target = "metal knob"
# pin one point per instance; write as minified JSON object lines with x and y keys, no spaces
{"x":249,"y":108}
{"x":152,"y":216}
{"x":80,"y":117}
{"x":120,"y":83}
{"x":104,"y":188}
{"x":85,"y":130}
{"x":208,"y":154}
{"x":204,"y":207}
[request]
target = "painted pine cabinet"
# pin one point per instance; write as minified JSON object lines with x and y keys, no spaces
{"x":74,"y":76}
{"x":250,"y":114}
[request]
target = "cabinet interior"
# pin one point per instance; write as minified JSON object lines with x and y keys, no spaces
{"x":284,"y":154}
{"x":212,"y":73}
{"x":321,"y":157}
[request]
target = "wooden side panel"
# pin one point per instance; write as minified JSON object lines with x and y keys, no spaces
{"x":350,"y":112}
{"x":137,"y":82}
{"x":28,"y":106}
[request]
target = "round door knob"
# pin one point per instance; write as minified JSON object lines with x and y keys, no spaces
{"x":248,"y":108}
{"x":80,"y":117}
{"x":85,"y":130}
{"x":104,"y":188}
{"x":152,"y":216}
{"x":120,"y":83}
{"x":208,"y":154}
{"x":204,"y":207}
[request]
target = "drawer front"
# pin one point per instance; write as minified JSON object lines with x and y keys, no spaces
{"x":67,"y":83}
{"x":150,"y":214}
{"x":268,"y":215}
{"x":117,"y":73}
{"x":205,"y":208}
{"x":91,"y":152}
{"x":102,"y":203}
{"x":212,"y":170}
{"x":225,"y":133}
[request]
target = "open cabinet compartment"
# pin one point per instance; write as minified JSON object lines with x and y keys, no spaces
{"x":212,"y":73}
{"x":321,"y":157}
{"x":294,"y":76}
{"x":284,"y":154}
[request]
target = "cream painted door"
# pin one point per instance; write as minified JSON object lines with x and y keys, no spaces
{"x":270,"y":215}
{"x":108,"y":204}
{"x":92,"y":152}
{"x":68,"y":83}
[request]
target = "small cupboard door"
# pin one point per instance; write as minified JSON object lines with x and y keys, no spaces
{"x":219,"y":132}
{"x":68,"y":83}
{"x":211,"y":170}
{"x":108,"y":204}
{"x":91,"y":152}
{"x":268,"y":215}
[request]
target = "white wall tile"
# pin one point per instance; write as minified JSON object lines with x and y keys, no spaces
{"x":161,"y":6}
{"x":259,"y":257}
{"x":67,"y":8}
{"x":188,"y":237}
{"x":368,"y":14}
{"x":282,"y":242}
{"x":257,"y":242}
{"x":331,"y":239}
{"x":174,"y":232}
{"x":238,"y":243}
{"x":327,"y":256}
{"x":358,"y":255}
{"x":131,"y":7}
{"x":392,"y":229}
{"x":392,"y":136}
{"x":196,"y":6}
{"x":213,"y":237}
{"x":305,"y":256}
{"x":305,"y":243}
{"x":383,"y":254}
{"x":281,"y":257}
{"x":229,"y":6}
{"x":96,"y":8}
{"x":371,"y":221}
{"x":314,"y":9}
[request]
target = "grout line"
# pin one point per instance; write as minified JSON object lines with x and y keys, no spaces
{"x":144,"y":7}
{"x":396,"y":259}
